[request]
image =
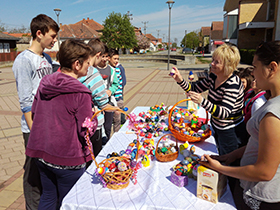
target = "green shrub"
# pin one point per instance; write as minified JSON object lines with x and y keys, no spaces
{"x":247,"y":55}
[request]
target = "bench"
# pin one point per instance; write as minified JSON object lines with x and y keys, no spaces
{"x":202,"y":75}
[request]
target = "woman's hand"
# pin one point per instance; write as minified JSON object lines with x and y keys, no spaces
{"x":177,"y":76}
{"x":227,"y":159}
{"x":195,"y":97}
{"x":209,"y":162}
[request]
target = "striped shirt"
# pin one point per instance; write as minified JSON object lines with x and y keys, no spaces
{"x":119,"y":92}
{"x":225,"y":103}
{"x":94,"y":82}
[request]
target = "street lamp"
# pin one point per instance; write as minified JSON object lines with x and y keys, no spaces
{"x":57,"y":12}
{"x":185,"y":38}
{"x":170,"y":4}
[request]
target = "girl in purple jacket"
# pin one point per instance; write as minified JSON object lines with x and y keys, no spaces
{"x":57,"y":137}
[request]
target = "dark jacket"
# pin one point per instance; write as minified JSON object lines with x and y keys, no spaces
{"x":60,"y":107}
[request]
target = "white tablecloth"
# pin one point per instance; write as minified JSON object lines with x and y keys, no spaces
{"x":154,"y":190}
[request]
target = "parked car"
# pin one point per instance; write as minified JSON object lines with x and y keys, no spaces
{"x":187,"y":50}
{"x":160,"y":49}
{"x":173,"y":49}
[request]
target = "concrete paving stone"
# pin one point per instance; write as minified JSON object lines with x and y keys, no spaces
{"x":17,"y":156}
{"x":3,"y":122}
{"x":4,"y":106}
{"x":10,"y":103}
{"x":15,"y":102}
{"x":12,"y":121}
{"x":12,"y":164}
{"x":6,"y":150}
{"x":4,"y":160}
{"x":4,"y":141}
{"x":15,"y":205}
{"x":17,"y":185}
{"x":18,"y":148}
{"x":10,"y":144}
{"x":21,"y":161}
{"x":8,"y":197}
{"x":12,"y":171}
{"x":1,"y":134}
{"x":12,"y":132}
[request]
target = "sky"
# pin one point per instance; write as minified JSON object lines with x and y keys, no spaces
{"x":187,"y":15}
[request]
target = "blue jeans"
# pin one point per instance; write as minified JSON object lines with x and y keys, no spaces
{"x":56,"y":183}
{"x":230,"y":139}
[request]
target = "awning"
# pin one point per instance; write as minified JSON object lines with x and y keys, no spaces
{"x":218,"y":42}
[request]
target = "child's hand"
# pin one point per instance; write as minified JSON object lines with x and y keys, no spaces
{"x":176,"y":75}
{"x":109,"y":93}
{"x":95,"y":109}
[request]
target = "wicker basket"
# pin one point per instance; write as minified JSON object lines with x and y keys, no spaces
{"x":113,"y":180}
{"x":167,"y":157}
{"x":184,"y":137}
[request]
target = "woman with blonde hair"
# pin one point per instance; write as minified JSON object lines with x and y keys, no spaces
{"x":259,"y":173}
{"x":225,"y":98}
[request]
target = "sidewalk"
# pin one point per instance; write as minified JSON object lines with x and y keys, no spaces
{"x":148,"y":84}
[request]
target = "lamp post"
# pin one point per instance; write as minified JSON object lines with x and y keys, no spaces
{"x":57,"y":12}
{"x":185,"y":38}
{"x":170,"y":4}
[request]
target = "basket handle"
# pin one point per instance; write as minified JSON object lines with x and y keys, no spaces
{"x":168,"y":134}
{"x":171,"y":110}
{"x":111,"y":108}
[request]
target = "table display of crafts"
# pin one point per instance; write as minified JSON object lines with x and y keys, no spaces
{"x":153,"y":122}
{"x":187,"y":168}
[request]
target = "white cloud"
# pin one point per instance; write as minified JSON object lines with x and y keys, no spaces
{"x":182,"y":18}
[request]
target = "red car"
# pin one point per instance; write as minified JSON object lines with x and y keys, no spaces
{"x":173,"y":49}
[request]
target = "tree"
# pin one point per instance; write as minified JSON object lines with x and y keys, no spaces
{"x":174,"y":44}
{"x":21,"y":29}
{"x":142,"y":41}
{"x":118,"y":32}
{"x":191,"y":40}
{"x":2,"y":27}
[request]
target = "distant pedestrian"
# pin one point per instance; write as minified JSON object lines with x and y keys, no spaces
{"x":29,"y":68}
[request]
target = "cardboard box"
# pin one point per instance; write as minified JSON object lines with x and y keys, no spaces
{"x":180,"y":181}
{"x":211,"y":185}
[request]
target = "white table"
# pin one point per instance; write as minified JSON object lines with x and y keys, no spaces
{"x":154,"y":190}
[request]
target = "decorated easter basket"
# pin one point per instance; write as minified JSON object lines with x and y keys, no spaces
{"x":113,"y":180}
{"x":184,"y":137}
{"x":167,"y":157}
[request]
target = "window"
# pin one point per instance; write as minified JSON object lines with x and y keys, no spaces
{"x":6,"y":47}
{"x":1,"y":48}
{"x":230,"y":27}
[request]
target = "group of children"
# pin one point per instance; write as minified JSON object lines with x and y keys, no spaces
{"x":55,"y":106}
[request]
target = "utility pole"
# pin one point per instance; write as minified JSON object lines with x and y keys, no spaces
{"x":158,"y":33}
{"x":145,"y":26}
{"x":129,"y":15}
{"x":185,"y":38}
